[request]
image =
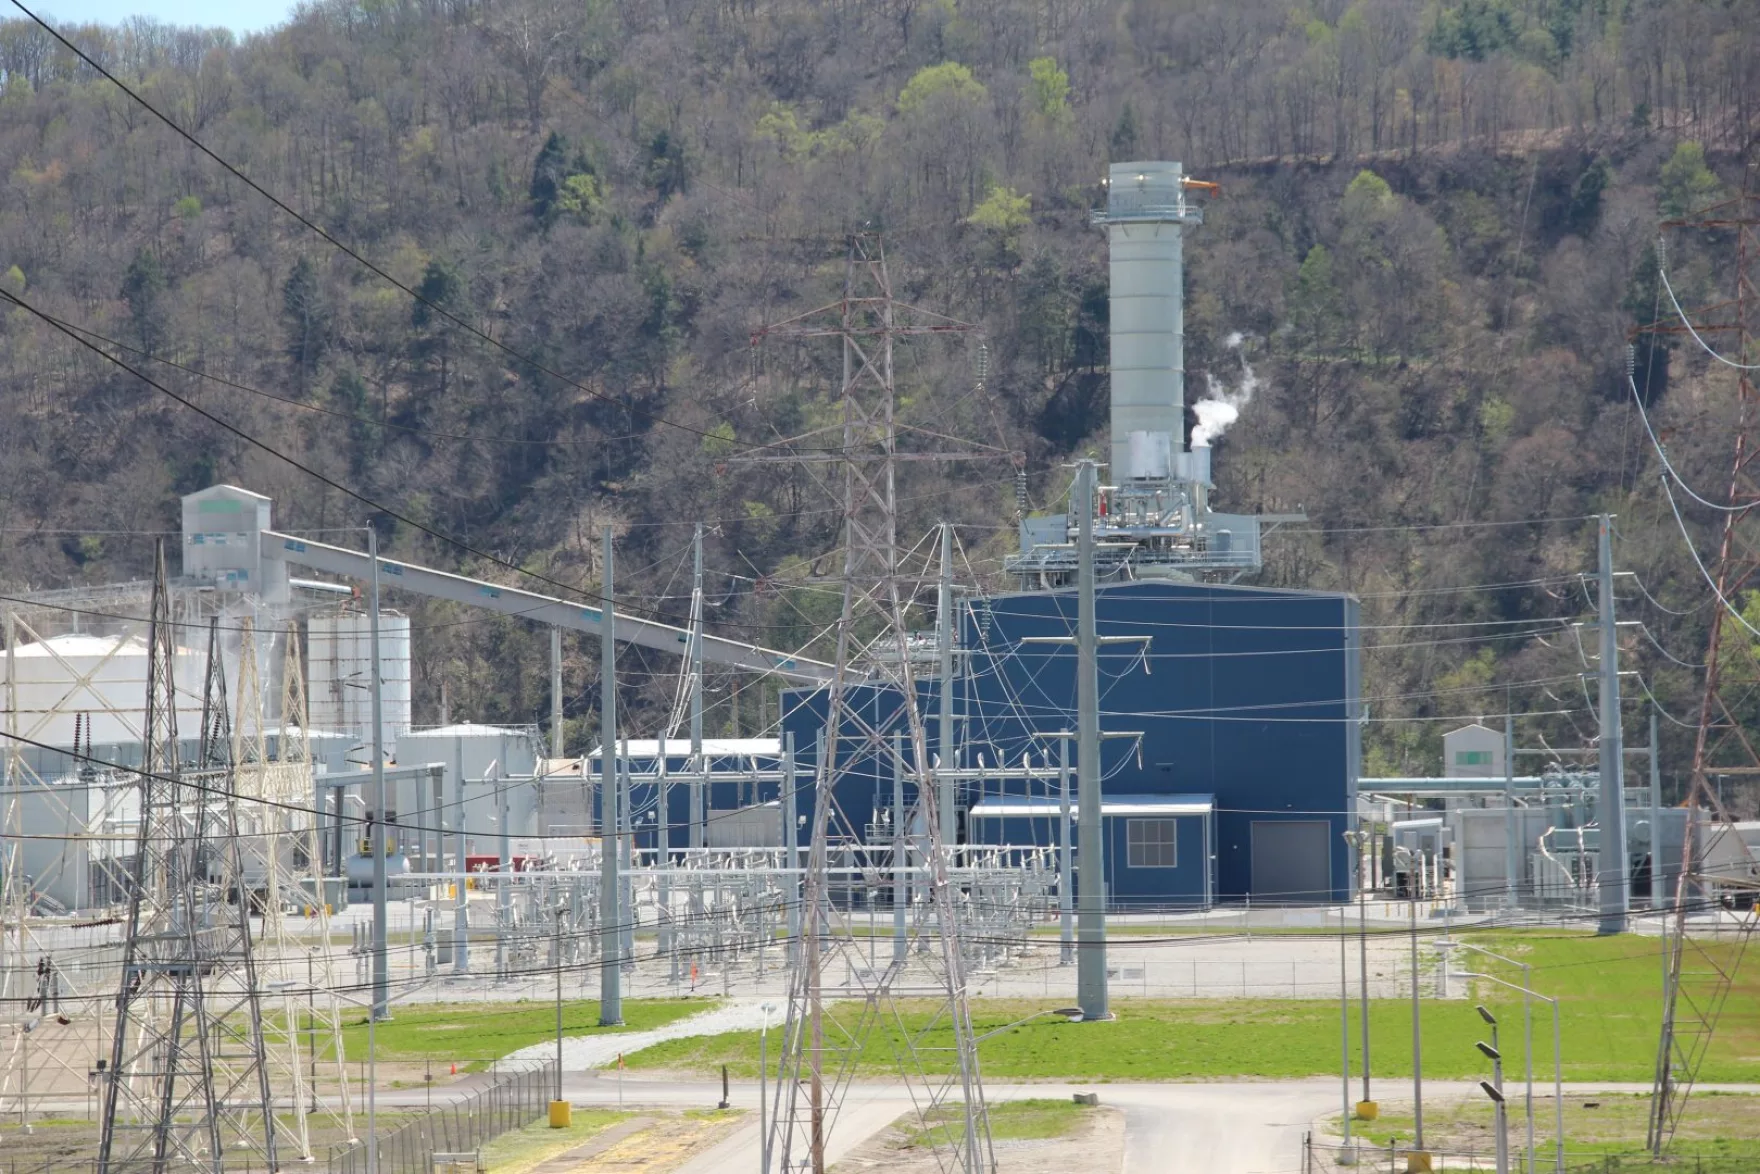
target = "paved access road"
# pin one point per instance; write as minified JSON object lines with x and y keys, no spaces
{"x":1218,"y":1127}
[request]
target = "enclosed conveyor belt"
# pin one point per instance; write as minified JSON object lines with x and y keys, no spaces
{"x":542,"y":609}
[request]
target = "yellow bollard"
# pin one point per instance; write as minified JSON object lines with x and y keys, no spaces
{"x":1417,"y":1162}
{"x":560,"y":1115}
{"x":1368,"y":1110}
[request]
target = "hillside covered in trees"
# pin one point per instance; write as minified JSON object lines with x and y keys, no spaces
{"x":1437,"y":227}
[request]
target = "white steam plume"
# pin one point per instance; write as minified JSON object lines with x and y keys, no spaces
{"x":1221,"y":405}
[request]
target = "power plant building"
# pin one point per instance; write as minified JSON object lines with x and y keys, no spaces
{"x":1241,"y":698}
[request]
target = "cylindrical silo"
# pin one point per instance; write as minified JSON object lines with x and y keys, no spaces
{"x":339,"y":658}
{"x":100,"y":684}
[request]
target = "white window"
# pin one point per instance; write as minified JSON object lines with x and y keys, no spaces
{"x":1151,"y":843}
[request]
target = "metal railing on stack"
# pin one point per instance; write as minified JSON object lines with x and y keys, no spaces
{"x":517,"y":1095}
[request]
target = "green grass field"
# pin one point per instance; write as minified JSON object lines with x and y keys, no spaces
{"x":1032,"y":1120}
{"x":1717,"y":1131}
{"x":1036,"y":1119}
{"x":475,"y":1033}
{"x":1610,"y":1019}
{"x":522,"y":1149}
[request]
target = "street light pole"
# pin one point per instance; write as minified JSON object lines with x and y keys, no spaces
{"x":1417,"y":1033}
{"x":611,"y":828}
{"x":1366,"y":1108}
{"x":1344,"y":1032}
{"x":1557,"y":1063}
{"x":1502,"y":1120}
{"x":763,"y":1096}
{"x":1527,"y":1034}
{"x":560,"y":911}
{"x":1363,"y":989}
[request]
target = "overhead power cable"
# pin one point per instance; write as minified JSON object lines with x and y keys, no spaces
{"x":370,"y":503}
{"x":1734,"y":613}
{"x":1664,"y":608}
{"x":241,"y":434}
{"x":1489,"y":524}
{"x":1660,"y":708}
{"x":317,"y":409}
{"x":1662,"y":455}
{"x":1692,"y":330}
{"x":346,"y":250}
{"x":1651,"y":636}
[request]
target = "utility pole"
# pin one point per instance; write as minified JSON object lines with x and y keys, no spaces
{"x":1512,"y":876}
{"x":503,"y":877}
{"x":1066,"y":915}
{"x":381,"y":963}
{"x":944,"y":732}
{"x":461,"y":910}
{"x":556,"y":746}
{"x":791,"y":850}
{"x":1657,"y":888}
{"x":610,"y":810}
{"x":1614,"y":872}
{"x":901,"y":855}
{"x":1091,"y":991}
{"x":626,"y":861}
{"x":699,"y":801}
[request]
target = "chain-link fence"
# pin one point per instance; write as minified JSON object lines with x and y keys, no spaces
{"x":1323,"y":1157}
{"x":518,"y":1095}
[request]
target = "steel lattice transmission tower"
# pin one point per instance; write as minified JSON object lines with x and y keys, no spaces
{"x":280,"y":845}
{"x":823,"y":1042}
{"x":188,"y":1085}
{"x":1701,"y":973}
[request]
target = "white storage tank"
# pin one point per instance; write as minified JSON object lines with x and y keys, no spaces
{"x":103,"y":678}
{"x":339,"y":658}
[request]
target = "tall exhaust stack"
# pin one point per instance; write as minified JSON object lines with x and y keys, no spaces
{"x":1154,"y":518}
{"x":1146,"y":218}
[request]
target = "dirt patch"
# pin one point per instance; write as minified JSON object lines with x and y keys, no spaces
{"x":1095,"y":1144}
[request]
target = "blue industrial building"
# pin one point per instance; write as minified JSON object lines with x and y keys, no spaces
{"x":1245,"y":698}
